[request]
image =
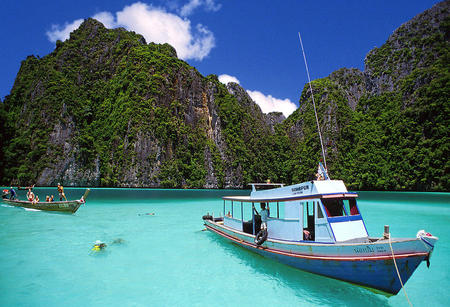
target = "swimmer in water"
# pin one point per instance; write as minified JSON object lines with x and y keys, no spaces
{"x":98,"y":246}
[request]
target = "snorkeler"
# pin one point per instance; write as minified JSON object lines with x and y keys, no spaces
{"x":98,"y":246}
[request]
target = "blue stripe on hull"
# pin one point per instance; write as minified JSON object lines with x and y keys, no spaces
{"x":378,"y":274}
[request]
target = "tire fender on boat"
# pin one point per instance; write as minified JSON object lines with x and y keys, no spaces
{"x":261,"y":237}
{"x":207,"y":217}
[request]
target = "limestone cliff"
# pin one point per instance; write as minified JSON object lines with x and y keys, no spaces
{"x":107,"y":109}
{"x":385,"y":127}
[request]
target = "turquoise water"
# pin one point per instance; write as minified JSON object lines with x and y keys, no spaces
{"x":167,"y":260}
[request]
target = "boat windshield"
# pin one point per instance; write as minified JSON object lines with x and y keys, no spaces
{"x":340,"y":207}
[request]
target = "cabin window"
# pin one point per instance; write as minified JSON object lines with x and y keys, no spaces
{"x":319,"y":213}
{"x":308,"y":220}
{"x":233,"y":209}
{"x":350,"y":207}
{"x":277,"y":210}
{"x":308,"y":214}
{"x":305,"y":214}
{"x":334,"y":207}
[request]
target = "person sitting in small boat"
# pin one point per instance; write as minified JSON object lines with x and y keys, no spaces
{"x":51,"y":198}
{"x":47,"y":198}
{"x":36,"y":199}
{"x":12,"y":194}
{"x":61,"y":192}
{"x":5,"y":193}
{"x":306,"y":235}
{"x":98,"y":246}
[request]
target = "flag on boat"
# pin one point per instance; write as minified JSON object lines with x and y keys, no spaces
{"x":322,"y":173}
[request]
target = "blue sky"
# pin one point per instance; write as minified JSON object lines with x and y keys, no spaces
{"x":255,"y":42}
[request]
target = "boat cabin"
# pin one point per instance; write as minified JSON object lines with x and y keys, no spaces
{"x":320,"y":211}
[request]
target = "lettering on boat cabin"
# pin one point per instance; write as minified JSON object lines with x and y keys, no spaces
{"x":300,"y":189}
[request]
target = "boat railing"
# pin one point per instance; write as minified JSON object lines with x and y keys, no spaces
{"x":265,"y":186}
{"x":279,"y":228}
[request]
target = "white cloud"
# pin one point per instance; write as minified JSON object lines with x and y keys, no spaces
{"x":225,"y":79}
{"x":156,"y":25}
{"x":106,"y":18}
{"x":63,"y":32}
{"x":189,"y":7}
{"x":267,"y":103}
{"x":271,"y":104}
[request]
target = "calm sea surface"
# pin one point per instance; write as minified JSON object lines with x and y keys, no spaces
{"x":167,"y":260}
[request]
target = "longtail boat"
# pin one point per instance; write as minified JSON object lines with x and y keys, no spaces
{"x":69,"y":206}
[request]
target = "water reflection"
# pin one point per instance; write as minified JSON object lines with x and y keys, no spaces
{"x":309,"y":288}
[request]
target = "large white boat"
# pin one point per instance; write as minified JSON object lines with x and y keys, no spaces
{"x":316,"y":226}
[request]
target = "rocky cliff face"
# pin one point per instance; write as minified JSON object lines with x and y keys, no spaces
{"x":377,"y":122}
{"x":107,"y":109}
{"x":415,"y":45}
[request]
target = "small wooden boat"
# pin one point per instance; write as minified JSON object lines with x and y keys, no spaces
{"x":69,"y":206}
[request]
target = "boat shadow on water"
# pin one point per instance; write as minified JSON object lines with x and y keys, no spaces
{"x":311,"y":288}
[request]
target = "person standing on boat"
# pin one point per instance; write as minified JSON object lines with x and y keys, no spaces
{"x":12,"y":193}
{"x":264,"y":213}
{"x":61,"y":192}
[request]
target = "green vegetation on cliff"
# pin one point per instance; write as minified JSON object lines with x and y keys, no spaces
{"x":397,"y":137}
{"x":105,"y":108}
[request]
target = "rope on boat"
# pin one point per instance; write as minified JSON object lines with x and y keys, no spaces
{"x":398,"y":273}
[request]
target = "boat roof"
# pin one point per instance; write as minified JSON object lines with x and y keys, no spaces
{"x":302,"y":191}
{"x":266,"y":184}
{"x":250,"y":199}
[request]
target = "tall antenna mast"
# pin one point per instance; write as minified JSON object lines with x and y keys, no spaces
{"x":314,"y":103}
